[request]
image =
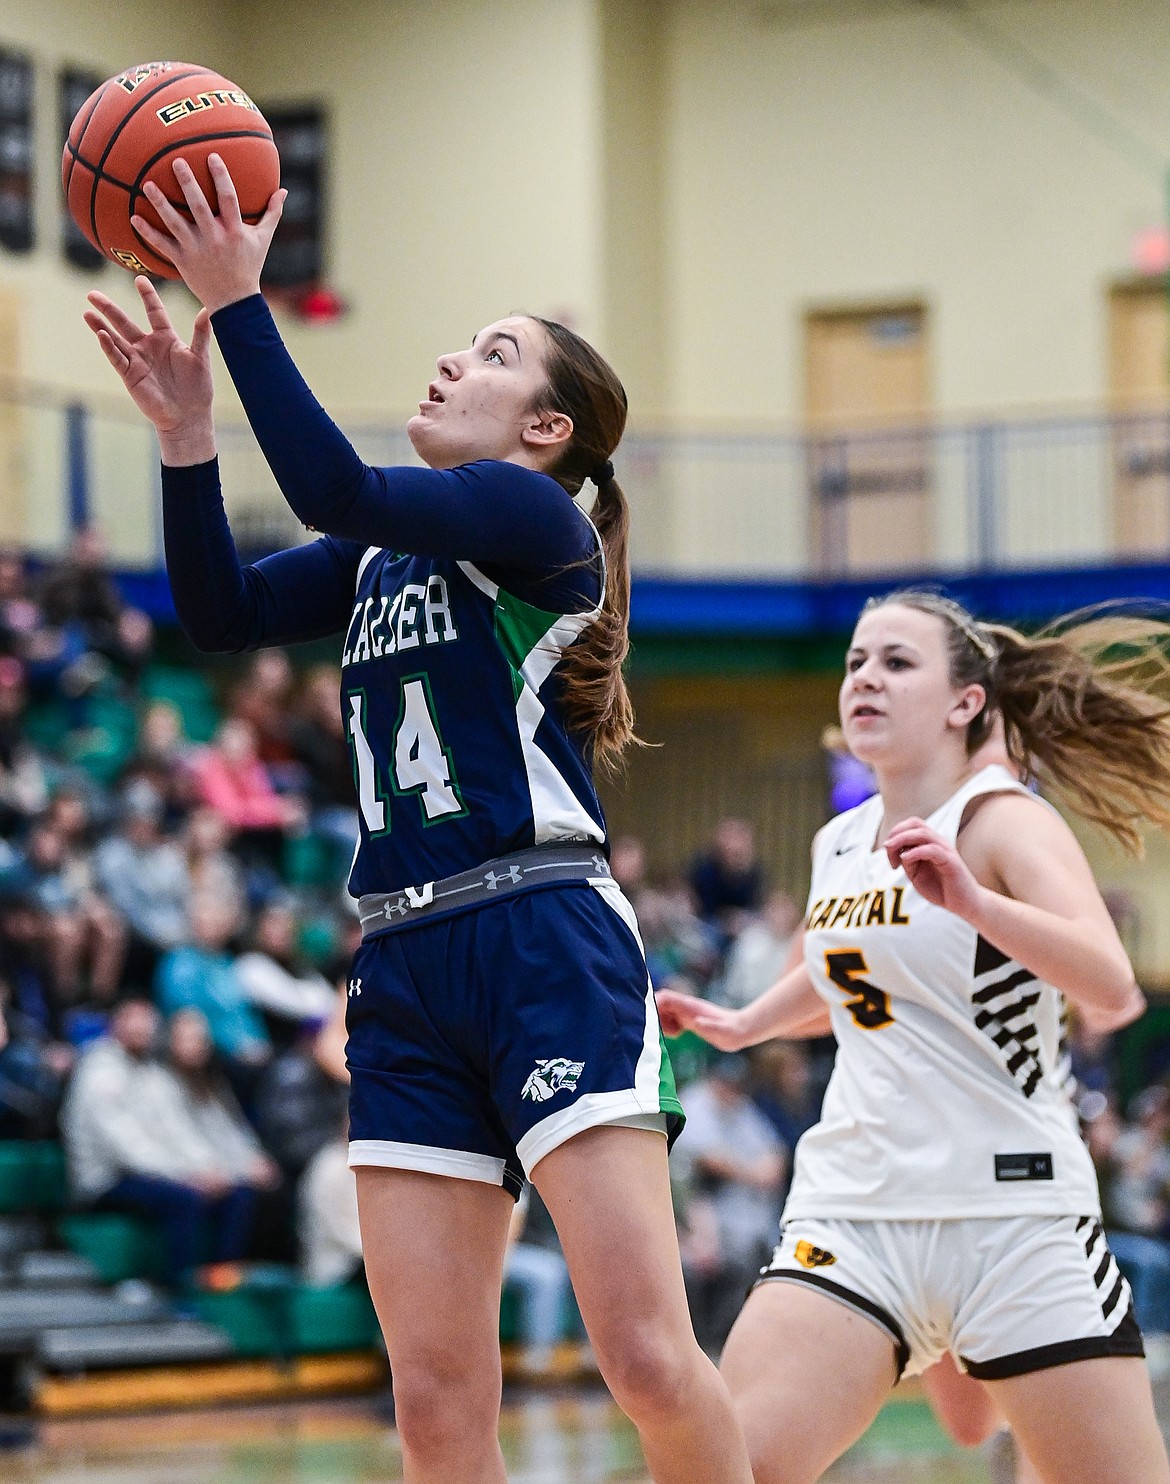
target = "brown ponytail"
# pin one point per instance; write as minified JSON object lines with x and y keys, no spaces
{"x":583,"y":385}
{"x":1083,"y":706}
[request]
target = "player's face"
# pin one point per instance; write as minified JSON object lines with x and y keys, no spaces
{"x":484,"y":398}
{"x":897,"y":701}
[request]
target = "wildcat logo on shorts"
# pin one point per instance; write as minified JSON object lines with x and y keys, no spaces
{"x":809,"y":1256}
{"x":550,"y":1077}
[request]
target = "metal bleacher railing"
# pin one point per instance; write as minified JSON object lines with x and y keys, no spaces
{"x":1059,"y":490}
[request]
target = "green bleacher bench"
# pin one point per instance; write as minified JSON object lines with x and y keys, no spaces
{"x":118,"y":1246}
{"x":32,"y":1177}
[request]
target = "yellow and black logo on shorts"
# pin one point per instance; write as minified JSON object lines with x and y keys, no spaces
{"x":809,"y":1256}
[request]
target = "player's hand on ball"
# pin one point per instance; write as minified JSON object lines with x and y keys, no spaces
{"x":169,"y":380}
{"x":935,"y":868}
{"x":218,"y":253}
{"x":685,"y":1012}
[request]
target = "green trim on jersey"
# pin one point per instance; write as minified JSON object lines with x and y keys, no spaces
{"x":519,"y":628}
{"x":668,"y":1099}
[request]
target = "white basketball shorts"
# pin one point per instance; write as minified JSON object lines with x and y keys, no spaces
{"x":1005,"y":1295}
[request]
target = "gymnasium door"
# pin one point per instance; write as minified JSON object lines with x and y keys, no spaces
{"x":867,"y":395}
{"x":1139,"y":385}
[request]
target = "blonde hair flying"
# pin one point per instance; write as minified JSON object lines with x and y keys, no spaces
{"x":1085,"y":704}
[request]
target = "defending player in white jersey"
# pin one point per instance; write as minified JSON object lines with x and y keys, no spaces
{"x":945,"y":1202}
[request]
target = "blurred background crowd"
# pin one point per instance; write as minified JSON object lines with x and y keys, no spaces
{"x":174,"y":944}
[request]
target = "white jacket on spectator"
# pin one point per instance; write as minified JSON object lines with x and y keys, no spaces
{"x":327,"y":1217}
{"x":103,"y":1125}
{"x":270,"y":986}
{"x":206,"y":1135}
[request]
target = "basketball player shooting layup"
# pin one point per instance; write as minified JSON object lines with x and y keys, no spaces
{"x":500,"y":1019}
{"x":945,"y":1202}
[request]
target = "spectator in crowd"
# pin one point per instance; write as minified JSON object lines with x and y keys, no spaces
{"x":627,"y":865}
{"x":162,"y":757}
{"x":80,"y":929}
{"x":24,"y":774}
{"x":322,"y":749}
{"x":756,"y":957}
{"x":276,"y":980}
{"x":263,"y":698}
{"x":327,"y":1208}
{"x":728,"y":880}
{"x":1134,"y":1159}
{"x":80,"y":592}
{"x":735,"y":1166}
{"x":851,"y":781}
{"x":144,"y":876}
{"x":201,"y":975}
{"x":231,"y":779}
{"x":679,"y":944}
{"x":33,"y":1068}
{"x":121,"y":1159}
{"x":213,"y":871}
{"x":785,"y":1089}
{"x":301,"y":1099}
{"x":20,"y":615}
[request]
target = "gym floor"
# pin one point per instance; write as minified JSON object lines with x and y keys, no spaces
{"x":564,"y":1438}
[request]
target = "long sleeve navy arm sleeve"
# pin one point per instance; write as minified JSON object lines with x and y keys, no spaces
{"x":303,"y":593}
{"x":486,"y":512}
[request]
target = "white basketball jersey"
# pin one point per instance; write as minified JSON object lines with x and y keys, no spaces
{"x":948,"y":1098}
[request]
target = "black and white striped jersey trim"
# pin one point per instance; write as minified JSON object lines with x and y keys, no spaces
{"x":1004,"y":994}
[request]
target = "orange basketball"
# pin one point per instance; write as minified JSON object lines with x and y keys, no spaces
{"x":130,"y":130}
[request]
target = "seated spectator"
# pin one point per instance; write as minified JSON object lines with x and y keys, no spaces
{"x":80,"y":930}
{"x":121,"y":1159}
{"x":201,"y":975}
{"x":212,"y":869}
{"x":318,"y":738}
{"x":81,"y":592}
{"x":162,"y":757}
{"x":279,"y":984}
{"x":33,"y":1068}
{"x":328,"y":1232}
{"x":785,"y":1089}
{"x":728,"y":880}
{"x":263,"y":699}
{"x":144,"y":876}
{"x":759,"y":952}
{"x":24,"y":773}
{"x":301,"y":1099}
{"x":679,"y":945}
{"x":1135,"y":1161}
{"x":736,"y":1166}
{"x":231,"y":779}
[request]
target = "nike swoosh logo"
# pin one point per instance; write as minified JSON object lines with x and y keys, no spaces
{"x":844,"y":849}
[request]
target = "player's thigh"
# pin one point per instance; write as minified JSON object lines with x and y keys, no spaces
{"x":963,"y":1405}
{"x":434,"y":1256}
{"x":807,"y":1376}
{"x":608,"y":1192}
{"x":1088,"y":1422}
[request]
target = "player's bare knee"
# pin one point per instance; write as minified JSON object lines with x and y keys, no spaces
{"x":442,"y":1410}
{"x":650,"y":1376}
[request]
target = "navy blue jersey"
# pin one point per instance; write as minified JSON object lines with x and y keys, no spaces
{"x":456,"y":592}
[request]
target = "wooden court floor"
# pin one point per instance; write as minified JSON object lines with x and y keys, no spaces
{"x":555,"y":1439}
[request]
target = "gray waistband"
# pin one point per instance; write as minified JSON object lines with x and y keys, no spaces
{"x":540,"y":866}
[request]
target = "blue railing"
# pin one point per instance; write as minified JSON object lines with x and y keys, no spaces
{"x":958,"y":497}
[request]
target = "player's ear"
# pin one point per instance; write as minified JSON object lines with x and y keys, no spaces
{"x":970,"y":703}
{"x":547,"y":430}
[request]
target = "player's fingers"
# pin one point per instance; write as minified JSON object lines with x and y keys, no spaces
{"x":117,"y":357}
{"x":201,"y":334}
{"x":169,"y":214}
{"x":156,"y":310}
{"x":115,"y":315}
{"x":193,"y":194}
{"x":273,"y":212}
{"x":101,"y":329}
{"x":163,"y":243}
{"x":225,"y":191}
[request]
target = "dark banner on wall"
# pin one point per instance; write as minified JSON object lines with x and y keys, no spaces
{"x":74,"y":86}
{"x":297,"y":254}
{"x":16,"y":151}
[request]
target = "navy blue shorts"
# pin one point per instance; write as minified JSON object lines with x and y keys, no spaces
{"x":480,"y":1042}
